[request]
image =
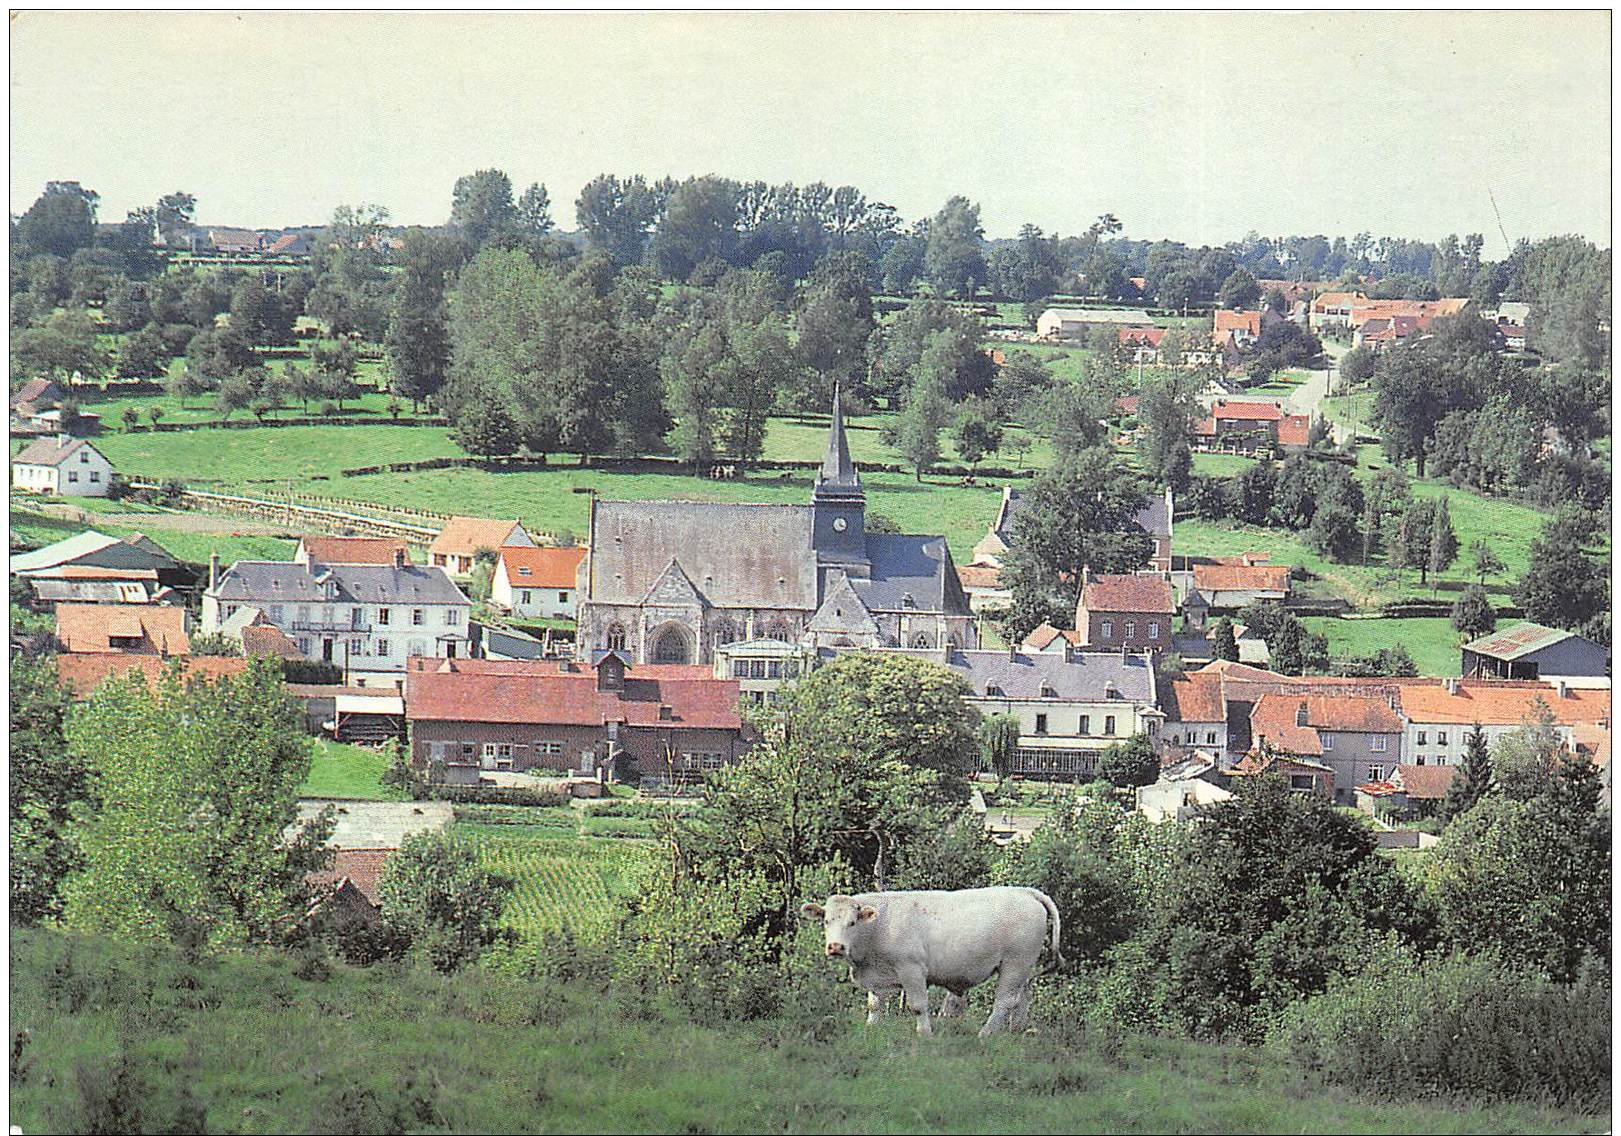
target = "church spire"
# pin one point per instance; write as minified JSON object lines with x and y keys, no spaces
{"x":838,"y":476}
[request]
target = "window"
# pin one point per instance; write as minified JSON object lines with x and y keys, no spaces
{"x":73,"y":475}
{"x":1380,"y":743}
{"x":1041,"y":723}
{"x":497,"y":755}
{"x":1106,"y":629}
{"x":357,"y":646}
{"x":1376,"y":773}
{"x":453,"y":618}
{"x":1131,"y":629}
{"x":303,"y":646}
{"x":921,"y":641}
{"x":549,"y":749}
{"x":615,"y":638}
{"x":1328,"y":739}
{"x":95,"y":476}
{"x":1420,"y":759}
{"x":740,"y":668}
{"x":756,"y":668}
{"x":1302,"y":782}
{"x":1423,"y":737}
{"x":1153,"y":629}
{"x":84,"y":457}
{"x":382,"y":617}
{"x":1210,"y":738}
{"x":382,"y":648}
{"x":303,"y":613}
{"x":418,"y":647}
{"x":1441,"y":738}
{"x":523,"y":571}
{"x":1108,"y":724}
{"x":1086,"y":724}
{"x":416,"y":617}
{"x":526,"y":596}
{"x":562,"y":597}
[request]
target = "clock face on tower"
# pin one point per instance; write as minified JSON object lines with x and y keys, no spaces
{"x":840,"y":524}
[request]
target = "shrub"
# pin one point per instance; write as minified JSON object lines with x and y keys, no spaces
{"x":497,"y":795}
{"x":1459,"y":1024}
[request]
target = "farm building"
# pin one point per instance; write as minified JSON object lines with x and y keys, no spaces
{"x":1073,"y":323}
{"x":458,"y":544}
{"x":1529,"y":651}
{"x":92,"y":567}
{"x":136,"y":629}
{"x":68,"y":467}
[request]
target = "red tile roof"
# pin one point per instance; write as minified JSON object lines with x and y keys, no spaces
{"x":81,"y":674}
{"x":463,"y":536}
{"x":268,"y":639}
{"x":1502,"y":704}
{"x":351,"y":549}
{"x":979,"y":576}
{"x":1238,"y":321}
{"x":1246,"y":411}
{"x":547,"y":567}
{"x":1131,"y":593}
{"x":1425,"y":782}
{"x":1294,"y":430}
{"x":90,"y":628}
{"x":362,"y":867}
{"x":1136,"y":336}
{"x":540,"y":693}
{"x":1195,"y":697}
{"x":1237,"y":578}
{"x":1275,"y":719}
{"x":1044,"y":634}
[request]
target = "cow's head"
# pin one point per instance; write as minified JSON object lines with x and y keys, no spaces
{"x":844,"y":921}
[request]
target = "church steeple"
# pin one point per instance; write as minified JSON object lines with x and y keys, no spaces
{"x":839,"y":505}
{"x":838,"y":476}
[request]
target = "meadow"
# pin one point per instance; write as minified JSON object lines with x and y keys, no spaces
{"x":1430,"y":640}
{"x":111,"y":1037}
{"x":345,"y":772}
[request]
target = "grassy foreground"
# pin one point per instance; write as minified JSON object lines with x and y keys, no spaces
{"x":135,"y":1039}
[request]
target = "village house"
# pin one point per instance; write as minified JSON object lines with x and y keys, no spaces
{"x":59,"y":464}
{"x":1070,"y":706}
{"x":669,"y":581}
{"x":458,"y":544}
{"x":80,"y":675}
{"x":1305,"y":775}
{"x":36,"y":396}
{"x":1241,"y":329}
{"x":1047,"y":639}
{"x":982,"y":584}
{"x":1130,"y":613}
{"x":1195,"y":715}
{"x":1531,"y":651}
{"x":1440,"y":716}
{"x":1143,"y":345}
{"x":1239,"y":426}
{"x":1333,"y":309}
{"x":469,"y":716}
{"x":253,"y":631}
{"x":762,"y":667}
{"x":92,"y":567}
{"x":537,"y":583}
{"x":134,"y":629}
{"x":234,"y":240}
{"x":1227,"y":588}
{"x":315,"y":549}
{"x":366,"y":618}
{"x":1410,"y":791}
{"x":1358,"y":736}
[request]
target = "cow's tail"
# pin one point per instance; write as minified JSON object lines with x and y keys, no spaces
{"x":1056,"y":961}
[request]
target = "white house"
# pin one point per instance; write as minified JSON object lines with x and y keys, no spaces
{"x":536,"y":583}
{"x":1071,"y":323}
{"x":366,"y":618}
{"x":69,"y":467}
{"x":1439,"y":719}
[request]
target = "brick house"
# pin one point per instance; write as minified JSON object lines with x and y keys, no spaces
{"x":482,"y":714}
{"x":1131,"y":613}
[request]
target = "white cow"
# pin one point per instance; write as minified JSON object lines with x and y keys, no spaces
{"x":906,"y":941}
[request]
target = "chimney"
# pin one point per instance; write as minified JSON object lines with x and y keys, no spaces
{"x":1563,"y":688}
{"x":399,"y":557}
{"x":1452,"y":685}
{"x":1300,"y":715}
{"x":213,"y":570}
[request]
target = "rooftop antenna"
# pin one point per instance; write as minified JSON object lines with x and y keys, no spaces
{"x":1507,"y":244}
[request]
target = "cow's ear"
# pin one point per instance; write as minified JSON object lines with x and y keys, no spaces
{"x":866,"y":914}
{"x":812,"y":911}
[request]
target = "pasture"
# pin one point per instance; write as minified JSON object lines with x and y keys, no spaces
{"x":348,"y":772}
{"x":1430,"y":640}
{"x":562,"y":879}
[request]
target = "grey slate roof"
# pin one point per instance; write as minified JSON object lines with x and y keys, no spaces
{"x":281,"y":581}
{"x":735,"y":555}
{"x":844,"y":611}
{"x":838,"y":475}
{"x":1085,"y":676}
{"x":505,"y":643}
{"x":916,"y":566}
{"x":98,"y":550}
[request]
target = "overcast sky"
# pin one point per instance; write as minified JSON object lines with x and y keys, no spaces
{"x":1194,"y":127}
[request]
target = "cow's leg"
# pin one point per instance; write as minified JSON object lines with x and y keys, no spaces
{"x":953,"y":1005}
{"x":916,"y":986}
{"x":1010,"y":986}
{"x":875,"y":1007}
{"x":1020,"y":1018}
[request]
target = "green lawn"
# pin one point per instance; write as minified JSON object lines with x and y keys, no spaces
{"x":561,"y":878}
{"x":348,"y":772}
{"x":186,"y":545}
{"x":1430,"y":640}
{"x":255,"y":1042}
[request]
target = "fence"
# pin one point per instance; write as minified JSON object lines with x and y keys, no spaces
{"x":290,"y":509}
{"x":517,"y":464}
{"x":251,"y":423}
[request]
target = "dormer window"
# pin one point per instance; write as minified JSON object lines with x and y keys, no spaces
{"x":1047,"y":691}
{"x":1300,"y":715}
{"x":523,"y":571}
{"x":992,"y":690}
{"x":907,"y":600}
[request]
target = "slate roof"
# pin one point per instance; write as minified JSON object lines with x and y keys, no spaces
{"x":915,"y":567}
{"x":1086,"y":676}
{"x":843,"y":612}
{"x":1154,"y":518}
{"x":50,"y":451}
{"x":1521,"y":639}
{"x":508,"y":643}
{"x":282,"y":581}
{"x":737,"y":555}
{"x":838,"y":476}
{"x":133,"y":554}
{"x":546,"y":567}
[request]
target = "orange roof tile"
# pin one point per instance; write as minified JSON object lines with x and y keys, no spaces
{"x":352,"y":549}
{"x":1500,"y":704}
{"x":463,"y":536}
{"x":81,"y":674}
{"x":1128,"y":593}
{"x":541,"y":567}
{"x":1238,"y":577}
{"x":90,"y":628}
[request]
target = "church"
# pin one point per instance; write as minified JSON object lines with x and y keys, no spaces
{"x":669,"y":581}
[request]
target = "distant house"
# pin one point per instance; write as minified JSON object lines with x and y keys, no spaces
{"x":1228,"y":587}
{"x":1131,"y":613}
{"x":234,"y":240}
{"x":761,"y":666}
{"x":1356,"y":735}
{"x":136,"y":629}
{"x":1070,"y":706}
{"x":1531,"y":651}
{"x":491,"y":642}
{"x":1333,"y":309}
{"x":36,"y":395}
{"x":1441,"y":716}
{"x":1513,"y":336}
{"x":1195,"y":714}
{"x":92,"y":567}
{"x":81,"y":674}
{"x":1047,"y":639}
{"x":1242,"y":329}
{"x":291,"y":244}
{"x":643,"y":723}
{"x":351,"y":887}
{"x":1143,"y":343}
{"x":316,"y":549}
{"x":1179,"y":798}
{"x":1305,"y":774}
{"x":1239,"y":425}
{"x":1075,"y":323}
{"x":537,"y":583}
{"x":982,"y":583}
{"x":1155,"y":518}
{"x":68,"y":467}
{"x":458,"y":543}
{"x":1294,"y":433}
{"x":1411,"y":790}
{"x":250,"y":628}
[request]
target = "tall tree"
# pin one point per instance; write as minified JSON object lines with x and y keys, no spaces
{"x":834,"y":322}
{"x":1473,"y":780}
{"x":954,"y":256}
{"x":48,"y":781}
{"x":60,"y":222}
{"x":617,"y":215}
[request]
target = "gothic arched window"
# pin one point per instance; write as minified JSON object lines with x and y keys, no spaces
{"x":615,"y":638}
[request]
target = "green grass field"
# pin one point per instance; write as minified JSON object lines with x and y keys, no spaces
{"x":1430,"y":640}
{"x":561,"y":878}
{"x":110,"y":1031}
{"x":187,"y":545}
{"x":348,"y":772}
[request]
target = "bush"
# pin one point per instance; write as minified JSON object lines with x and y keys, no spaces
{"x":1459,"y":1024}
{"x":497,"y":795}
{"x":312,"y":672}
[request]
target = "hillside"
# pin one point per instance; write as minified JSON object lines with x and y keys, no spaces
{"x":113,"y":1037}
